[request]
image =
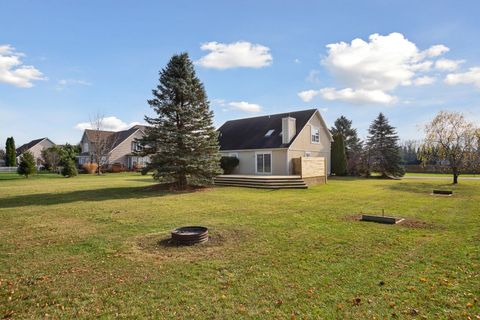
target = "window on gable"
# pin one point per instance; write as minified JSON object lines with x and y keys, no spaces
{"x":136,"y":146}
{"x":269,"y":132}
{"x":315,"y":134}
{"x":85,"y":147}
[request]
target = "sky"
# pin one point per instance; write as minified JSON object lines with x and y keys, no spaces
{"x":62,"y":62}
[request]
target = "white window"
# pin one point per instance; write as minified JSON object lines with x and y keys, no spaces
{"x":233,"y":154}
{"x":308,"y":154}
{"x":85,"y":147}
{"x":315,"y":134}
{"x":136,"y":146}
{"x":269,"y":132}
{"x":263,"y":162}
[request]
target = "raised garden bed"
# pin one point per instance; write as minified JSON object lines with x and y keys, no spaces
{"x":381,"y":219}
{"x":443,"y":192}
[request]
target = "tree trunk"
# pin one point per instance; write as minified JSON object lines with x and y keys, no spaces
{"x":455,"y":178}
{"x":182,"y":181}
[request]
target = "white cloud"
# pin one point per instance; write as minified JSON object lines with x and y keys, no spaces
{"x":62,"y":84}
{"x":111,"y":123}
{"x":308,"y":95}
{"x":435,"y":51}
{"x":245,"y":106}
{"x":382,"y":63}
{"x":360,"y":96}
{"x":13,"y":71}
{"x":370,"y":70}
{"x":423,"y":81}
{"x":240,"y":54}
{"x":296,"y":60}
{"x":472,"y":76}
{"x":447,"y":64}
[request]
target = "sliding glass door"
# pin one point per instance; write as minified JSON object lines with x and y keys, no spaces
{"x":264,"y":162}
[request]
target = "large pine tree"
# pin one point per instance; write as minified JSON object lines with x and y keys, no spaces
{"x":383,"y":149}
{"x":182,"y":141}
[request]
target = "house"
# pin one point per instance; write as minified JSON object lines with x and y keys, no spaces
{"x":119,"y":147}
{"x":35,"y":147}
{"x":268,"y":145}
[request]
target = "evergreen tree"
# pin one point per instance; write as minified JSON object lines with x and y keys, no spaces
{"x":339,"y":157}
{"x":383,"y":149}
{"x":352,"y":142}
{"x":7,"y":152}
{"x":11,"y":153}
{"x":26,"y":167}
{"x":182,"y":141}
{"x":69,"y":169}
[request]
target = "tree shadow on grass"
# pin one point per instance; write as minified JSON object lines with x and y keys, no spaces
{"x":91,"y":195}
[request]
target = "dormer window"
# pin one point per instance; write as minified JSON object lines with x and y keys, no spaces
{"x":269,"y":132}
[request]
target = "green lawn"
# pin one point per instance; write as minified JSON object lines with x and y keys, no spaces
{"x":88,"y":247}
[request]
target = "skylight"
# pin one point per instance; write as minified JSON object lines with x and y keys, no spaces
{"x":269,"y":132}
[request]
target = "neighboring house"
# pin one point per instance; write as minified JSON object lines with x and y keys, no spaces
{"x":266,"y":145}
{"x":35,"y":147}
{"x":121,"y":146}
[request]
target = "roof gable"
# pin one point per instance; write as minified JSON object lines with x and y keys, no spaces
{"x":29,"y":145}
{"x":250,"y":133}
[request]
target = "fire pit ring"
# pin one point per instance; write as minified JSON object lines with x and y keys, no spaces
{"x":189,"y":235}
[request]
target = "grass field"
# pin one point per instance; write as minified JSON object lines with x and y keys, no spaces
{"x":89,"y":247}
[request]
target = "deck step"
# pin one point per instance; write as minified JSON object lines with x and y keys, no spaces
{"x":281,"y":182}
{"x":261,"y":186}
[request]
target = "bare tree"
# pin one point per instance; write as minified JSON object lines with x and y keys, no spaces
{"x":101,"y":141}
{"x":451,"y":139}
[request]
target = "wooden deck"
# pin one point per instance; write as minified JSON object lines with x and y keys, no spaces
{"x":261,"y":181}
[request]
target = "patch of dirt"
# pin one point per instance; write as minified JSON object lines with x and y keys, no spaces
{"x":407,"y":222}
{"x":158,"y":246}
{"x":172,"y":187}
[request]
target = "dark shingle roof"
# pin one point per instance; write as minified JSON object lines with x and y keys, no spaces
{"x":28,"y":145}
{"x":250,"y":133}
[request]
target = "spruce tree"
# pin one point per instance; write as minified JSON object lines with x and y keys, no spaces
{"x":26,"y":167}
{"x":383,"y":148}
{"x":181,"y":140}
{"x":69,"y":169}
{"x":339,"y":158}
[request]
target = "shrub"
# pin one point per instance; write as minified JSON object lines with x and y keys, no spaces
{"x":69,"y":169}
{"x":26,"y":166}
{"x":90,"y":167}
{"x":117,"y":167}
{"x":228,"y":164}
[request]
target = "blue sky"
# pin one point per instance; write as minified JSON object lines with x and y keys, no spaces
{"x":63,"y":61}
